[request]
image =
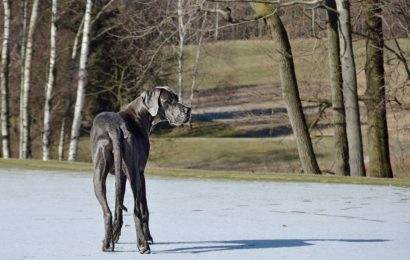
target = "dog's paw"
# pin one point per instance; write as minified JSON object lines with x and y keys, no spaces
{"x":117,"y":232}
{"x":147,"y":235}
{"x":108,"y":246}
{"x":116,"y":236}
{"x":150,"y":240}
{"x":145,"y":250}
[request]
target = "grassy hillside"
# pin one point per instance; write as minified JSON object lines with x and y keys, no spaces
{"x":252,"y":62}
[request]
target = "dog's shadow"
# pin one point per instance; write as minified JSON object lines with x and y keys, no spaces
{"x":195,"y":247}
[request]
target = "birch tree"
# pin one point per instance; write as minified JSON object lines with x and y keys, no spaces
{"x":82,"y":81}
{"x":25,"y":128}
{"x":375,"y":94}
{"x":216,"y":32}
{"x":4,"y":81}
{"x":354,"y":133}
{"x":50,"y":82}
{"x":181,"y":44}
{"x":22,"y":43}
{"x":69,"y":101}
{"x":196,"y":63}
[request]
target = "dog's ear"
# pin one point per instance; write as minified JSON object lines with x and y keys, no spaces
{"x":150,"y":99}
{"x":168,"y":89}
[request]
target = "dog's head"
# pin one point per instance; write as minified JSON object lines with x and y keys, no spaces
{"x":163,"y":103}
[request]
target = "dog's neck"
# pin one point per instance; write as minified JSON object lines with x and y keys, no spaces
{"x":137,"y":112}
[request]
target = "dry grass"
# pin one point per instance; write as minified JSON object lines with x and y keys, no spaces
{"x":248,"y":154}
{"x":203,"y":174}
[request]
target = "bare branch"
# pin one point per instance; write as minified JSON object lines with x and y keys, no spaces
{"x":400,"y":54}
{"x":402,"y":106}
{"x":323,"y":101}
{"x":227,"y":15}
{"x":103,"y":9}
{"x":275,"y":2}
{"x":80,"y":29}
{"x":322,"y":109}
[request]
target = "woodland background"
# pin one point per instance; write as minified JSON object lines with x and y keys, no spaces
{"x":223,"y":61}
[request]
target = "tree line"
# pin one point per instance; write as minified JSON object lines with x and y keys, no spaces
{"x":68,"y":60}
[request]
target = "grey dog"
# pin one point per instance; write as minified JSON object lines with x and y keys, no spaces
{"x":120,"y":145}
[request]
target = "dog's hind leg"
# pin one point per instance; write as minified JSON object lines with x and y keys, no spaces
{"x":144,"y":211}
{"x":116,"y":137}
{"x":120,"y":184}
{"x":102,"y":164}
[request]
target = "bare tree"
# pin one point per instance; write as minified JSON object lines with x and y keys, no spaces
{"x":181,"y":44}
{"x":22,"y":43}
{"x":216,"y":32}
{"x":69,"y":100}
{"x":4,"y":81}
{"x":375,"y":94}
{"x":82,"y":80}
{"x":341,"y":155}
{"x":354,"y":133}
{"x":25,"y":128}
{"x":289,"y":83}
{"x":290,"y":88}
{"x":196,"y":63}
{"x":50,"y":82}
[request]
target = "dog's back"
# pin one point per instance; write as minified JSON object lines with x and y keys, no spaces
{"x":103,"y":124}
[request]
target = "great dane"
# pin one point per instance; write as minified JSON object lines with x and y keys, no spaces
{"x":120,"y":145}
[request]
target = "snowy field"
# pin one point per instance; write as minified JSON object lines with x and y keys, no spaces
{"x":54,"y":215}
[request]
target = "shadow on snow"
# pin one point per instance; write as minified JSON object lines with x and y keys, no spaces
{"x":214,"y":246}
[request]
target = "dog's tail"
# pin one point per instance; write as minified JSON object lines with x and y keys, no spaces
{"x":117,"y":151}
{"x":116,"y":139}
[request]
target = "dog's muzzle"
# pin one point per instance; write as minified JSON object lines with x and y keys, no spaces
{"x":183,"y":116}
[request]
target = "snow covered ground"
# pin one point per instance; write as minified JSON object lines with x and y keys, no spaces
{"x":54,"y":215}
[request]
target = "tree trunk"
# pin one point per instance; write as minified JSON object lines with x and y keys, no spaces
{"x":196,"y":65}
{"x":4,"y":82}
{"x":75,"y":44}
{"x":64,"y":122}
{"x":341,"y":155}
{"x":26,"y":86}
{"x":82,"y":80}
{"x":61,"y":140}
{"x":181,"y":32}
{"x":216,"y":32}
{"x":354,"y":133}
{"x":50,"y":82}
{"x":290,"y":88}
{"x":22,"y":43}
{"x":375,"y":95}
